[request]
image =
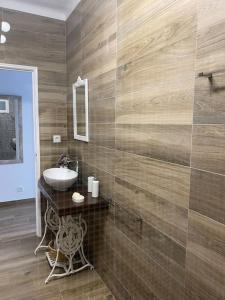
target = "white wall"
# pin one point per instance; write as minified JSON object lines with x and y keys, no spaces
{"x":16,"y":176}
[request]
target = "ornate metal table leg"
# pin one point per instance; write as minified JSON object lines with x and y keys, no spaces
{"x":69,"y":241}
{"x":52,"y":222}
{"x":84,"y":260}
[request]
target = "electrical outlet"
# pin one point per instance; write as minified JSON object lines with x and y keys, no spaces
{"x":56,"y":139}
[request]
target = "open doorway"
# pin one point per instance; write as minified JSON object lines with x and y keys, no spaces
{"x":19,"y":136}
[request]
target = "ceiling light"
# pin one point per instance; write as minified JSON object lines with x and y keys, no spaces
{"x":2,"y":39}
{"x":5,"y":26}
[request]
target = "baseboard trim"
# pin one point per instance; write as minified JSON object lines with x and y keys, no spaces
{"x":17,"y":202}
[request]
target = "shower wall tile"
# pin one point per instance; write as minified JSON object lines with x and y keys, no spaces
{"x":141,"y":35}
{"x":102,"y":98}
{"x":118,"y":290}
{"x":101,"y":61}
{"x":73,"y":37}
{"x":149,"y":175}
{"x":73,"y":22}
{"x":170,"y":143}
{"x":99,"y":39}
{"x":99,"y":157}
{"x":102,"y":110}
{"x":139,"y":273}
{"x":205,"y":258}
{"x":164,"y":216}
{"x":74,"y":67}
{"x":205,"y":248}
{"x":133,"y":77}
{"x":208,"y":194}
{"x":153,"y":85}
{"x":151,"y":106}
{"x":203,"y":280}
{"x":96,"y":22}
{"x":208,"y":148}
{"x":163,"y":250}
{"x":127,"y":275}
{"x":207,"y":238}
{"x":107,"y":271}
{"x":124,"y":271}
{"x":102,"y":134}
{"x":103,"y":86}
{"x":139,"y":59}
{"x":211,"y":33}
{"x":209,"y":105}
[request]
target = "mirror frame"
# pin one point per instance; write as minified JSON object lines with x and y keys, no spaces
{"x":19,"y":131}
{"x":79,"y":83}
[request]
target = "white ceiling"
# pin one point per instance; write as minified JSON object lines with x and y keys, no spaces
{"x":57,"y":9}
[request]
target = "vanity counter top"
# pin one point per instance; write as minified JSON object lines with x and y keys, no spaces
{"x":62,"y":201}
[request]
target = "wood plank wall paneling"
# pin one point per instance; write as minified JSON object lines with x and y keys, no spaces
{"x":156,"y":142}
{"x":41,"y":42}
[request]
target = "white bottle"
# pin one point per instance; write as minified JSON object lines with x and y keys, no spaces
{"x":90,"y":183}
{"x":95,"y":189}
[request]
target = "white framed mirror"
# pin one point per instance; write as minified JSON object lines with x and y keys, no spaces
{"x":80,"y":110}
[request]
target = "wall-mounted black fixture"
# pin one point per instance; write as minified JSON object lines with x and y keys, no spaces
{"x":210,"y":75}
{"x":202,"y":74}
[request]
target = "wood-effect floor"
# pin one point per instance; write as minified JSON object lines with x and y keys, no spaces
{"x":22,"y":274}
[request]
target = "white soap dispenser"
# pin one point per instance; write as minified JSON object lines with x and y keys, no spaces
{"x":95,"y":189}
{"x":90,"y":183}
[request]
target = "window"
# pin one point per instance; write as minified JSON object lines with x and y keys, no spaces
{"x":4,"y":106}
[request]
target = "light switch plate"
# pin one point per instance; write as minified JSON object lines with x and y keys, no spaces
{"x":56,"y":139}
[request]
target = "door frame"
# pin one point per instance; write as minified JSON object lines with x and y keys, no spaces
{"x":34,"y":71}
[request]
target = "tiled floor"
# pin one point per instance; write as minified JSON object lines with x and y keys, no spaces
{"x":22,"y":274}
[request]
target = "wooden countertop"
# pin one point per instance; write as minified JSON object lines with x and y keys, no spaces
{"x":62,"y":201}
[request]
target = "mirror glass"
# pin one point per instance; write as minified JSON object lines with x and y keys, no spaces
{"x":11,"y":148}
{"x":80,"y":102}
{"x":80,"y":110}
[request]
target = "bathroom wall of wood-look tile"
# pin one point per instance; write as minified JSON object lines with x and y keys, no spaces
{"x":205,"y":262}
{"x":156,"y":142}
{"x":40,"y":42}
{"x":156,"y":134}
{"x":141,"y":110}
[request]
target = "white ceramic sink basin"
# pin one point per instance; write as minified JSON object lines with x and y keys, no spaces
{"x":60,"y":179}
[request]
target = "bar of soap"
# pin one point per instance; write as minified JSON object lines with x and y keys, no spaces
{"x":75,"y":195}
{"x":77,"y":198}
